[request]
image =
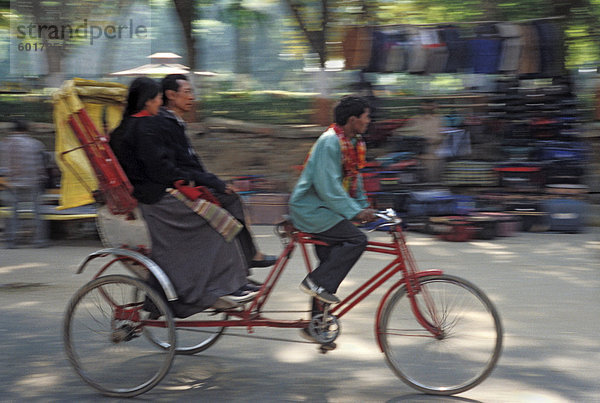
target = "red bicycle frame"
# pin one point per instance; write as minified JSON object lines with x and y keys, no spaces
{"x":251,"y":316}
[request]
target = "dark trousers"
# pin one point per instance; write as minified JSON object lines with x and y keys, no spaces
{"x":346,"y":243}
{"x":233,"y":204}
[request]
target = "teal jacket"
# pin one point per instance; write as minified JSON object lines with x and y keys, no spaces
{"x":319,"y":200}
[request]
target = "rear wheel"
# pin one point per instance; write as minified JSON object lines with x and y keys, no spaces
{"x":191,"y":340}
{"x":103,"y":328}
{"x":465,"y":351}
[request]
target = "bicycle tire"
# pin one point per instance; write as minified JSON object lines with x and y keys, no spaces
{"x":107,"y":352}
{"x":459,"y":360}
{"x":187,"y":337}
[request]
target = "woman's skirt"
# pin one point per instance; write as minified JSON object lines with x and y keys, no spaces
{"x":201,"y":265}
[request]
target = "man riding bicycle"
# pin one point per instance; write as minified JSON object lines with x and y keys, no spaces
{"x":329,"y":195}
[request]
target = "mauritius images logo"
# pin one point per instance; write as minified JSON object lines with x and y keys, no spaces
{"x":38,"y":40}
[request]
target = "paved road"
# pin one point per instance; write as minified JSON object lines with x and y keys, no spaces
{"x":545,"y":285}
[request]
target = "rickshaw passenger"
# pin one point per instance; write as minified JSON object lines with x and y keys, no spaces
{"x":204,"y":262}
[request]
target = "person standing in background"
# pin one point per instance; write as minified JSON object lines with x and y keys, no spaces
{"x":22,"y":164}
{"x":428,"y":126}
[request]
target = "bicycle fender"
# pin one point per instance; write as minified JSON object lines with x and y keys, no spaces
{"x":384,"y":299}
{"x":137,"y":257}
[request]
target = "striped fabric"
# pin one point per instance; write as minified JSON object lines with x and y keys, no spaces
{"x":219,"y":219}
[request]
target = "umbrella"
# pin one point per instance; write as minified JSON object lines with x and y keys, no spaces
{"x":165,"y":64}
{"x":154,"y":69}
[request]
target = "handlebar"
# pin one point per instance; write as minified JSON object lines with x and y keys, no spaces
{"x":390,"y":217}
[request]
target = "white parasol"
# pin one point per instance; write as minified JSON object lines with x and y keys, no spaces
{"x":163,"y":63}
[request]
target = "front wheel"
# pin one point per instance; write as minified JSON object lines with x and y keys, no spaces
{"x":462,"y":353}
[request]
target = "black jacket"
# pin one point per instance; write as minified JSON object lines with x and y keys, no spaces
{"x":155,"y":152}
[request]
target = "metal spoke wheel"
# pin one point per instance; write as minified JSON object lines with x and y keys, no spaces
{"x":103,"y":335}
{"x":191,"y":340}
{"x":461,"y":355}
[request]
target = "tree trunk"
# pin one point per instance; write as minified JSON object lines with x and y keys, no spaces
{"x":242,"y":50}
{"x":186,"y":12}
{"x":316,"y":38}
{"x":109,"y":50}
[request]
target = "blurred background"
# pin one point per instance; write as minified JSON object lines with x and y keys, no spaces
{"x":268,"y":60}
{"x":515,"y":84}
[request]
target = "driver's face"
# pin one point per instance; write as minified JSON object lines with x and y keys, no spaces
{"x":362,"y":122}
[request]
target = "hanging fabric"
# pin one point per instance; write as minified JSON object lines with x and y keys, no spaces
{"x":356,"y":47}
{"x":458,"y":53}
{"x":511,"y":47}
{"x":529,"y":63}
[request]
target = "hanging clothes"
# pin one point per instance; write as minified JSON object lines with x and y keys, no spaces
{"x":378,"y":54}
{"x":529,"y":63}
{"x":551,"y":48}
{"x":458,"y":53}
{"x":511,"y":47}
{"x":436,"y":51}
{"x":356,"y":47}
{"x":396,"y":47}
{"x":417,"y":55}
{"x":485,"y":50}
{"x":533,"y":49}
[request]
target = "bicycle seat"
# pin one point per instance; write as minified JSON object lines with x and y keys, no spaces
{"x":286,"y":228}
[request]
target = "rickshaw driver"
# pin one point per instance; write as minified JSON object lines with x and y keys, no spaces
{"x":329,"y":195}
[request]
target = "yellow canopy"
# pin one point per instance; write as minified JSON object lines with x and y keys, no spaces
{"x":104,"y":104}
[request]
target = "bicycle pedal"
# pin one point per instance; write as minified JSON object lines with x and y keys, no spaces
{"x":327,"y":347}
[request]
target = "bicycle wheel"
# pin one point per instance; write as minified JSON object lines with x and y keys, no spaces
{"x":102,"y":328}
{"x":457,"y":360}
{"x":191,"y":340}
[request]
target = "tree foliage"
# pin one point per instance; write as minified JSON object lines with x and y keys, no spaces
{"x":243,"y":19}
{"x":48,"y":22}
{"x":186,"y":12}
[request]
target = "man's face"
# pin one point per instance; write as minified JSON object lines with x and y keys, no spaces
{"x":181,"y":100}
{"x":360,"y":124}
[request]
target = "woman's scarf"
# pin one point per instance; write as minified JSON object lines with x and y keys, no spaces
{"x":207,"y":206}
{"x":142,"y":114}
{"x":353,"y":159}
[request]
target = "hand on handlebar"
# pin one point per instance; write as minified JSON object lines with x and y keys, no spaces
{"x":366,"y":215}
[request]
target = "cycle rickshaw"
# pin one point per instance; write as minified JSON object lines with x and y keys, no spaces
{"x":439,"y":333}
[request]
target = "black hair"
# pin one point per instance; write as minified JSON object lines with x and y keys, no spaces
{"x":141,"y":90}
{"x":169,"y":82}
{"x":349,"y":106}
